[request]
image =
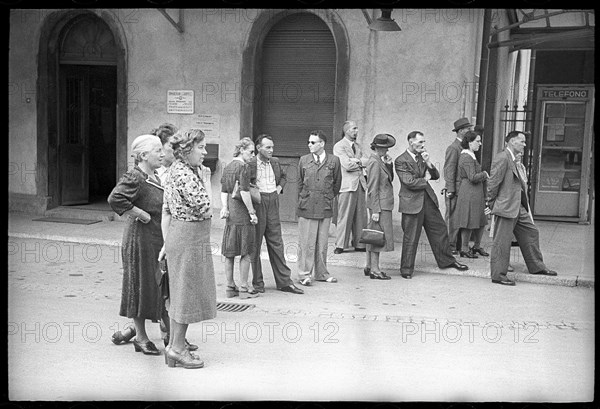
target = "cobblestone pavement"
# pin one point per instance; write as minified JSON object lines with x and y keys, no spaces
{"x":435,"y":337}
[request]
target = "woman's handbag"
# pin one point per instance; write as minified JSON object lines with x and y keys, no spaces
{"x":162,"y":278}
{"x":254,"y":193}
{"x":373,"y":234}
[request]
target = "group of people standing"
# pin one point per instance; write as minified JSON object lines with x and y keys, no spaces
{"x":167,"y":198}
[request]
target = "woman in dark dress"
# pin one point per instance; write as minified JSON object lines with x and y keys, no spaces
{"x":470,"y":204}
{"x":239,"y":233}
{"x":139,"y":195}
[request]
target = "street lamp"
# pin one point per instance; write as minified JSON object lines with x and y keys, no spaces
{"x":385,"y":22}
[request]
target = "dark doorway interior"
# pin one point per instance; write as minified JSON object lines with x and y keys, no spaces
{"x":88,"y":133}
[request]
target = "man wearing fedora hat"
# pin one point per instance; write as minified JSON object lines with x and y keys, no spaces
{"x":461,"y":127}
{"x":352,"y":209}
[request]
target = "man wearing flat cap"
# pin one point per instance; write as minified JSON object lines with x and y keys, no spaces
{"x":352,"y":209}
{"x":461,"y":127}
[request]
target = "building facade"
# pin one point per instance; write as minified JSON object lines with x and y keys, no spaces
{"x":84,"y":83}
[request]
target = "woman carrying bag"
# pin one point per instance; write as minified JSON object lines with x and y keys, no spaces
{"x":380,"y":201}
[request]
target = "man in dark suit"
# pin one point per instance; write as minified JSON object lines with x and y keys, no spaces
{"x":420,"y":208}
{"x":507,"y":201}
{"x":461,"y":127}
{"x":268,"y":175}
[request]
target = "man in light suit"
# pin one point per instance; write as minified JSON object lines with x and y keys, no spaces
{"x":319,"y":181}
{"x":461,"y":127}
{"x":352,"y":209}
{"x":507,"y":201}
{"x":420,"y":208}
{"x":268,"y":175}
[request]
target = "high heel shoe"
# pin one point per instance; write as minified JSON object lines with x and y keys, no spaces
{"x":148,"y":348}
{"x":379,"y":276}
{"x":185,"y":359}
{"x":468,"y":254}
{"x":246,"y":293}
{"x":367,"y":271}
{"x":120,"y":338}
{"x":189,"y":346}
{"x":231,"y":291}
{"x":480,"y":251}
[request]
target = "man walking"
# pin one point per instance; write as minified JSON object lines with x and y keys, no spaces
{"x":352,"y":209}
{"x":461,"y":127}
{"x":508,"y":203}
{"x":420,"y":208}
{"x":268,"y":175}
{"x":319,"y":181}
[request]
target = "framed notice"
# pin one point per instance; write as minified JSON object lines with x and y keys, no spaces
{"x":180,"y":102}
{"x":210,"y":124}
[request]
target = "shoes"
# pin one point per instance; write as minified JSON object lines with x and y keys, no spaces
{"x":185,"y":359}
{"x":291,"y":289}
{"x":407,"y":276}
{"x":188,"y":345}
{"x":457,"y":266}
{"x":545,"y":273}
{"x":260,"y":290}
{"x":504,"y":281}
{"x":148,"y":348}
{"x":480,"y":251}
{"x":232,"y":291}
{"x":379,"y":276}
{"x":367,"y":271}
{"x":454,"y":252}
{"x":338,"y":250}
{"x":468,"y":254}
{"x":306,"y":281}
{"x":362,"y":249}
{"x":120,"y":338}
{"x":510,"y":268}
{"x":330,"y":280}
{"x":247,"y":293}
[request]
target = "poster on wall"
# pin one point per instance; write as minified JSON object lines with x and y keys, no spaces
{"x":180,"y":102}
{"x":210,"y":124}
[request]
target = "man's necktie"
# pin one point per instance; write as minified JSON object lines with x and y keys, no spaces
{"x":523,"y":193}
{"x":354,"y":149}
{"x":420,"y":162}
{"x":317,"y":160}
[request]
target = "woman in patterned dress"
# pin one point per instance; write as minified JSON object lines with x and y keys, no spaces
{"x":239,"y":234}
{"x":139,"y":195}
{"x":186,"y":231}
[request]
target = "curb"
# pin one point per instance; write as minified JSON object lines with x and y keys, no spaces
{"x":565,"y":281}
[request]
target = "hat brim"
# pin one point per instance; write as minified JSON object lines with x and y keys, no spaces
{"x":391,"y":141}
{"x":461,"y":127}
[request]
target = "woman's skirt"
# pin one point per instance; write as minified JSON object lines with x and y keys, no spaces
{"x":192,"y":288}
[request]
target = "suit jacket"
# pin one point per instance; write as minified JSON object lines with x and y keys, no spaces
{"x":352,"y":174}
{"x":380,"y":191}
{"x":451,"y":166}
{"x":414,"y":186}
{"x":280,"y":176}
{"x":504,"y":186}
{"x":317,"y":186}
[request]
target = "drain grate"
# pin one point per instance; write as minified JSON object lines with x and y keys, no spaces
{"x":233,"y":307}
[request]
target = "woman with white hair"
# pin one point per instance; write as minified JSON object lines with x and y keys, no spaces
{"x":139,"y":195}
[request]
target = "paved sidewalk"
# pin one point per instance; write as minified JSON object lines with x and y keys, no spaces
{"x":568,"y":248}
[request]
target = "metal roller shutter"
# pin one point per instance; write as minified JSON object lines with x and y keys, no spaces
{"x":298,"y":83}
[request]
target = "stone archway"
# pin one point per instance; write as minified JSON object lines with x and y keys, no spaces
{"x":47,"y":183}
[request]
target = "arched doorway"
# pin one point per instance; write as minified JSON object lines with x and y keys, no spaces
{"x":294,"y":80}
{"x":82,"y":108}
{"x":87,"y":111}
